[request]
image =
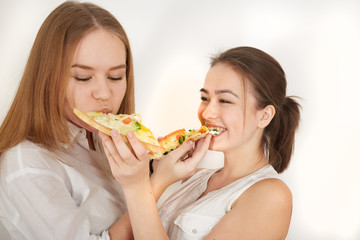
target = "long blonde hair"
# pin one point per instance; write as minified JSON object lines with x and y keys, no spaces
{"x":37,"y":111}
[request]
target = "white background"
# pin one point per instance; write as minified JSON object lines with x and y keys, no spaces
{"x":318,"y":44}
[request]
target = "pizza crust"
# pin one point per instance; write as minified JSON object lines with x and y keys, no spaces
{"x":88,"y":120}
{"x":171,"y":141}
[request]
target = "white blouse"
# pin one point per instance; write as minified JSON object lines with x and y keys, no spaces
{"x":186,"y":217}
{"x":62,"y":196}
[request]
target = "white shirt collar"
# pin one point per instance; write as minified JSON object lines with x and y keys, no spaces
{"x":77,"y":134}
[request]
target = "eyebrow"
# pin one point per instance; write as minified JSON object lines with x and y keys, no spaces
{"x":219,"y":91}
{"x":90,"y":68}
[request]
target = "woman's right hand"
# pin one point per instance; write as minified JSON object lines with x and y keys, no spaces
{"x":129,"y":163}
{"x":180,"y":163}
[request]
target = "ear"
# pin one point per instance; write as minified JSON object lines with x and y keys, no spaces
{"x":265,"y":116}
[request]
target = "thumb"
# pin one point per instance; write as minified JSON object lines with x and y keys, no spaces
{"x":199,"y":152}
{"x":181,"y":151}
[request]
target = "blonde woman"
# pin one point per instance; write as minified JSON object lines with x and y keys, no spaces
{"x":55,"y":181}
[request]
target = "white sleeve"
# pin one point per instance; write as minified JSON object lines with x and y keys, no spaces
{"x":46,"y":208}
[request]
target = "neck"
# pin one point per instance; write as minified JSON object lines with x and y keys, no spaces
{"x":242,"y":162}
{"x":237,"y":164}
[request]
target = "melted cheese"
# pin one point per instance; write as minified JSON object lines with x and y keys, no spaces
{"x":115,"y":122}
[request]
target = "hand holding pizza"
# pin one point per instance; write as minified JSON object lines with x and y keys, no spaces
{"x":132,"y":144}
{"x":129,"y":162}
{"x":180,"y":163}
{"x":130,"y":166}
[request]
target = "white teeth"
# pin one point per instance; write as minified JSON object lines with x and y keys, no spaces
{"x":215,"y":130}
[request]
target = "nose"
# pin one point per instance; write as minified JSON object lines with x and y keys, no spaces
{"x":101,"y":90}
{"x":210,"y":112}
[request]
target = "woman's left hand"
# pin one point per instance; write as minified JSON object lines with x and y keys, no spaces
{"x":179,"y":163}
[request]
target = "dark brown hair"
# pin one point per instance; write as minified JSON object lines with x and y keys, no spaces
{"x":37,"y":111}
{"x":268,"y":81}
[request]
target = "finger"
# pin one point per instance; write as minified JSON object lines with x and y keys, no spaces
{"x":181,"y":151}
{"x":199,"y":152}
{"x":114,"y":166}
{"x":202,"y":141}
{"x":109,"y":157}
{"x":190,"y":153}
{"x":110,"y":149}
{"x":139,"y":150}
{"x":155,"y":163}
{"x":122,"y":149}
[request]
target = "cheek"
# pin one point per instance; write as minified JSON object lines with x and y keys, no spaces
{"x":200,"y":111}
{"x":69,"y":105}
{"x":234,"y":122}
{"x":70,"y":101}
{"x":70,"y":93}
{"x":119,"y":93}
{"x":77,"y":96}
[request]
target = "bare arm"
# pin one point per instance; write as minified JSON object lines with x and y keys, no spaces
{"x":262,"y":212}
{"x":130,"y":168}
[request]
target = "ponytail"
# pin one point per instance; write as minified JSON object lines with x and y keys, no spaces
{"x":279,"y":136}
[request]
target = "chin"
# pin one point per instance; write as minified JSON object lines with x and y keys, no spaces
{"x":215,"y":147}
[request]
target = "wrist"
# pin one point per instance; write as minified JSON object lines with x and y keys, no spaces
{"x":158,"y":186}
{"x":137,"y":188}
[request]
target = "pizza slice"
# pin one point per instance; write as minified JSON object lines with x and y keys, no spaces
{"x":124,"y":123}
{"x":175,"y":139}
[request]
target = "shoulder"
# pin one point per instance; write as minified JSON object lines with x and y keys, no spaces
{"x":267,"y":208}
{"x":27,"y":155}
{"x":25,"y":150}
{"x":263,"y":211}
{"x":270,"y":191}
{"x":22,"y":151}
{"x":271,"y":186}
{"x":269,"y":198}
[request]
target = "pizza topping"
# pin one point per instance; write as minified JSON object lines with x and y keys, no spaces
{"x":124,"y":123}
{"x":126,"y":120}
{"x":203,"y":130}
{"x":181,"y":139}
{"x":137,"y":125}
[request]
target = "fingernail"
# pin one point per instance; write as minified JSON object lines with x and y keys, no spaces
{"x":190,"y":143}
{"x":114,"y":133}
{"x":130,"y":134}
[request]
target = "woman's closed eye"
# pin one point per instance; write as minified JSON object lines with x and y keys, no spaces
{"x":205,"y":99}
{"x":224,"y":101}
{"x":83,"y":79}
{"x":116,"y":78}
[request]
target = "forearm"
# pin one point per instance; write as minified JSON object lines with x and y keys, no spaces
{"x":121,"y":229}
{"x":143,"y":213}
{"x":140,"y":192}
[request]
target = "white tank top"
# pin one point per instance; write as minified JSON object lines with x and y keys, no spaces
{"x":184,"y":216}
